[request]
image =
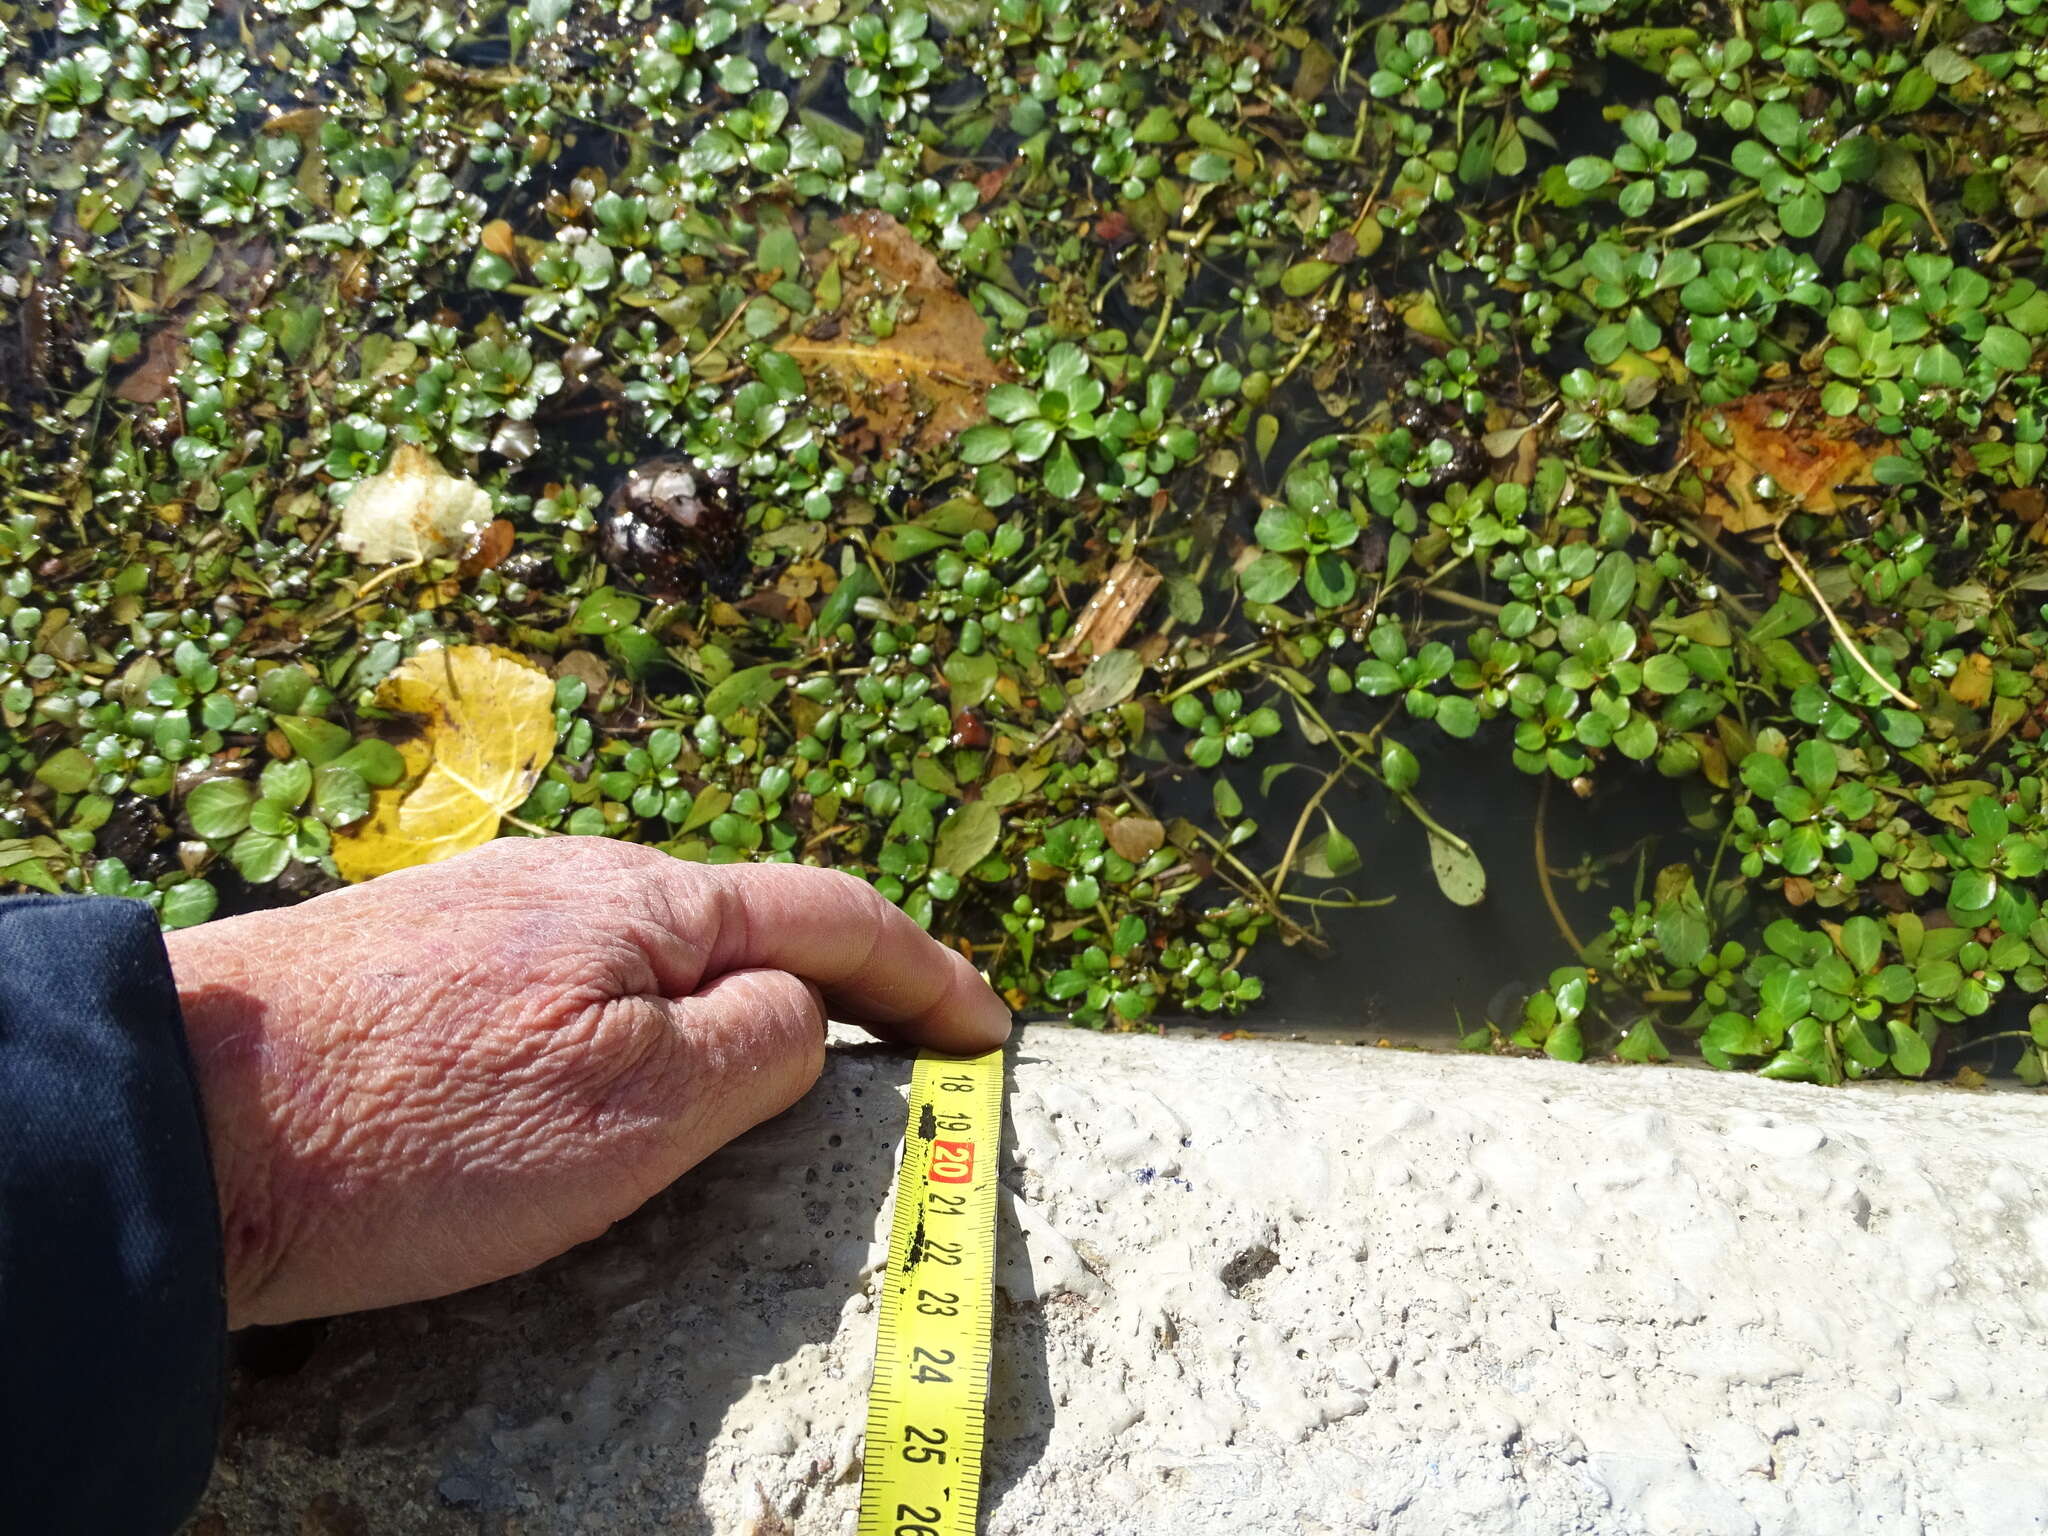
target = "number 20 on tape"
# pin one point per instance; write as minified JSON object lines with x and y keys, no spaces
{"x":922,"y":1465}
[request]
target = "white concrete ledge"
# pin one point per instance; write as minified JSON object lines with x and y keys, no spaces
{"x":1250,"y":1287}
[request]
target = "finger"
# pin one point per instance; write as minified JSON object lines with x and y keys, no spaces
{"x":875,"y":965}
{"x":750,"y":1044}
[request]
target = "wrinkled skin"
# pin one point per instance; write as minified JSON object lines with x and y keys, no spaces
{"x":452,"y":1073}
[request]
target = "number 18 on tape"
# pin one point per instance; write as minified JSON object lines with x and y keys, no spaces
{"x":922,"y":1465}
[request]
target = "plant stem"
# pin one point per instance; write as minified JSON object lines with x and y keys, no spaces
{"x":1557,"y":916}
{"x":1221,"y":669}
{"x":1726,"y":205}
{"x":1301,"y":825}
{"x":1331,"y":901}
{"x":1835,"y":623}
{"x":1460,"y":600}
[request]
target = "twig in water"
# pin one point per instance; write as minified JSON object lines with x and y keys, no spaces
{"x":1834,"y":623}
{"x":1543,"y":870}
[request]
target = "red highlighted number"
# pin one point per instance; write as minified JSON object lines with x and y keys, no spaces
{"x":952,"y":1162}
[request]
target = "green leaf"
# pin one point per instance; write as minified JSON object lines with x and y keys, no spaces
{"x":1224,"y":798}
{"x":1938,"y":368}
{"x":1331,"y":856}
{"x":219,"y":808}
{"x":259,"y":857}
{"x":1459,"y":874}
{"x":1329,"y":580}
{"x":1269,"y":578}
{"x":1764,"y":775}
{"x":1565,"y":1043}
{"x":1803,"y":213}
{"x":1398,"y":766}
{"x":748,"y":688}
{"x":1972,"y":890}
{"x":973,"y":677}
{"x":189,"y":903}
{"x":2003,"y":347}
{"x":21,"y":863}
{"x":1613,"y":588}
{"x":1109,"y":679}
{"x":341,"y":795}
{"x":604,"y":612}
{"x":969,"y":835}
{"x":1063,"y":477}
{"x":1861,"y":943}
{"x":983,"y":444}
{"x":1282,"y":528}
{"x":1457,"y":716}
{"x":1814,"y":762}
{"x":1637,"y":740}
{"x":1666,"y":673}
{"x":286,"y":783}
{"x":900,"y":542}
{"x":1305,"y":277}
{"x":1910,"y":1056}
{"x":1683,"y":934}
{"x":67,"y":772}
{"x":376,"y":760}
{"x":1641,"y":1044}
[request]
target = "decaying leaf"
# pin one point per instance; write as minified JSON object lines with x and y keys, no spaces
{"x":414,"y":510}
{"x":1110,"y":679}
{"x":1783,"y":455}
{"x":925,"y":380}
{"x":1136,"y":838}
{"x":968,"y":837}
{"x":486,"y":730}
{"x":1459,"y":874}
{"x":1110,"y":612}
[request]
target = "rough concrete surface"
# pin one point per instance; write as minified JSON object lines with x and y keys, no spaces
{"x":1257,"y":1287}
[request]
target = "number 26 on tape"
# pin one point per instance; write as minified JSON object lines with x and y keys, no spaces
{"x":952,"y":1162}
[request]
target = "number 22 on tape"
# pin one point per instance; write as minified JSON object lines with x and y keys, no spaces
{"x":921,"y":1471}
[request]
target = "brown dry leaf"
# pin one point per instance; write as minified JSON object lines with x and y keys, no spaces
{"x":497,"y":238}
{"x":486,"y":730}
{"x":1136,"y":838}
{"x":414,"y":510}
{"x":153,"y":376}
{"x":1971,"y":686}
{"x":1109,"y":614}
{"x":927,"y":378}
{"x":487,"y":548}
{"x":1783,"y":438}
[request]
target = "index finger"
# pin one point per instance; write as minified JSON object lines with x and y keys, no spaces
{"x":875,"y":966}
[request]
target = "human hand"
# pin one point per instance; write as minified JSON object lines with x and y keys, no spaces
{"x":452,"y":1073}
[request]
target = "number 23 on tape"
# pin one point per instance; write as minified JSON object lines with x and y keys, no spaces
{"x":921,"y":1471}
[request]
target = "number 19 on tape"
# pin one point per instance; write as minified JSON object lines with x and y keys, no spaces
{"x":922,"y":1465}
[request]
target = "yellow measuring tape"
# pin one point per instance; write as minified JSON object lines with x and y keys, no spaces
{"x":922,"y":1465}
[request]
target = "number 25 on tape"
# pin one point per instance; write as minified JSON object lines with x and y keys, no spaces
{"x":952,"y":1162}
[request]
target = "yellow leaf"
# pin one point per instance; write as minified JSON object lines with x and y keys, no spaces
{"x":486,"y":730}
{"x":924,"y":380}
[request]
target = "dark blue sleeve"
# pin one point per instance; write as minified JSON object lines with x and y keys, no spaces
{"x":112,"y":1322}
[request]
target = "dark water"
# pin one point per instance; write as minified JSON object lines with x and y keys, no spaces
{"x":1423,"y":968}
{"x":1419,"y":967}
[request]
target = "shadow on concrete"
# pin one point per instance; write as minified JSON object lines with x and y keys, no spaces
{"x":1020,"y":1403}
{"x":591,"y":1393}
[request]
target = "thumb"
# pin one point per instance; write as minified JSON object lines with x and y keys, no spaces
{"x":750,"y":1044}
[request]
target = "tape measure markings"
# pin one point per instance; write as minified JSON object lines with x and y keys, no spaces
{"x":927,"y":1405}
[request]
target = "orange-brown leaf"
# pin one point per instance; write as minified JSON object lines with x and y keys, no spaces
{"x":1783,"y":455}
{"x":926,"y":379}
